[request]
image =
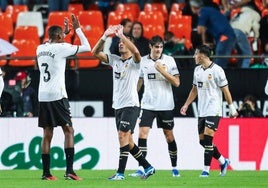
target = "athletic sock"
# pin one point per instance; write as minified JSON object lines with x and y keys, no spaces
{"x":209,"y":149}
{"x":216,"y":153}
{"x":221,"y":160}
{"x":69,"y":153}
{"x":142,"y":143}
{"x":137,"y":154}
{"x":172,"y":149}
{"x":46,"y":164}
{"x":123,"y":159}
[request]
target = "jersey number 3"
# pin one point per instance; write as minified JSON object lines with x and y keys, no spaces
{"x":46,"y":76}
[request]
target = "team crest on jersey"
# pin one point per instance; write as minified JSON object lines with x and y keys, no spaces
{"x":164,"y":67}
{"x":209,"y":76}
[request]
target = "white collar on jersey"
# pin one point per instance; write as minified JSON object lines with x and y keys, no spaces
{"x":149,"y":57}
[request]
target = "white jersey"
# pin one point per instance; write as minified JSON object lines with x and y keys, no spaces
{"x":209,"y":82}
{"x":51,"y":58}
{"x":125,"y":80}
{"x":158,"y":94}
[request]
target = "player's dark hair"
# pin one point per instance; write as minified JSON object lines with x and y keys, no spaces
{"x":155,"y":40}
{"x":204,"y":49}
{"x":54,"y":31}
{"x":168,"y":35}
{"x":125,"y":21}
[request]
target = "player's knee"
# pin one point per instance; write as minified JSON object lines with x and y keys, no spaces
{"x":143,"y":132}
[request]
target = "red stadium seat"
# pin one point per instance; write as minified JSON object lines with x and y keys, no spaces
{"x":27,"y":49}
{"x":27,"y":32}
{"x":151,"y":18}
{"x":129,"y":7}
{"x":152,"y":30}
{"x":75,"y":8}
{"x":177,"y":7}
{"x":57,"y":18}
{"x":115,"y":18}
{"x":6,"y":24}
{"x":93,"y":18}
{"x":161,"y":7}
{"x":264,"y":12}
{"x":85,"y":63}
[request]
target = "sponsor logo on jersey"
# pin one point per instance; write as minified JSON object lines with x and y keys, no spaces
{"x":117,"y":75}
{"x":200,"y":84}
{"x":151,"y":76}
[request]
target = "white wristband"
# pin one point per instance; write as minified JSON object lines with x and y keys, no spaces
{"x":104,"y":37}
{"x":232,"y":109}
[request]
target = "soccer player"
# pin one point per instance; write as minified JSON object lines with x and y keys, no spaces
{"x":126,"y":69}
{"x":209,"y":82}
{"x":159,"y":73}
{"x":52,"y":96}
{"x":1,"y":87}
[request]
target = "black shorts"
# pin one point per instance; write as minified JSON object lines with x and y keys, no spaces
{"x":126,"y":118}
{"x":211,"y":122}
{"x":164,"y":119}
{"x":55,"y":113}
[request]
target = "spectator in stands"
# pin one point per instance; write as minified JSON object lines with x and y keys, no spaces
{"x":173,"y":45}
{"x":265,"y":3}
{"x":264,"y":32}
{"x":249,"y":108}
{"x":140,"y":41}
{"x":243,"y":48}
{"x":213,"y":21}
{"x":12,"y":101}
{"x":28,"y":94}
{"x":127,"y":24}
{"x":58,"y":5}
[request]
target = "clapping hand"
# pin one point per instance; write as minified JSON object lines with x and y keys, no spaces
{"x":119,"y":31}
{"x":75,"y":22}
{"x":66,"y":29}
{"x":111,"y":30}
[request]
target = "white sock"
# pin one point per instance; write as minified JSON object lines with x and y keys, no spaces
{"x":221,"y":160}
{"x":206,"y":168}
{"x":141,"y":168}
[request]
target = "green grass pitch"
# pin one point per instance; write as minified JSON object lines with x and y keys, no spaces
{"x":162,"y":179}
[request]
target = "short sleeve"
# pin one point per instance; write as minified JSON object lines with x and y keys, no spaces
{"x":174,"y":69}
{"x":221,"y":78}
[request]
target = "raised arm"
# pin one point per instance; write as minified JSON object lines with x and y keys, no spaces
{"x":98,"y":48}
{"x":136,"y":54}
{"x":85,"y":46}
